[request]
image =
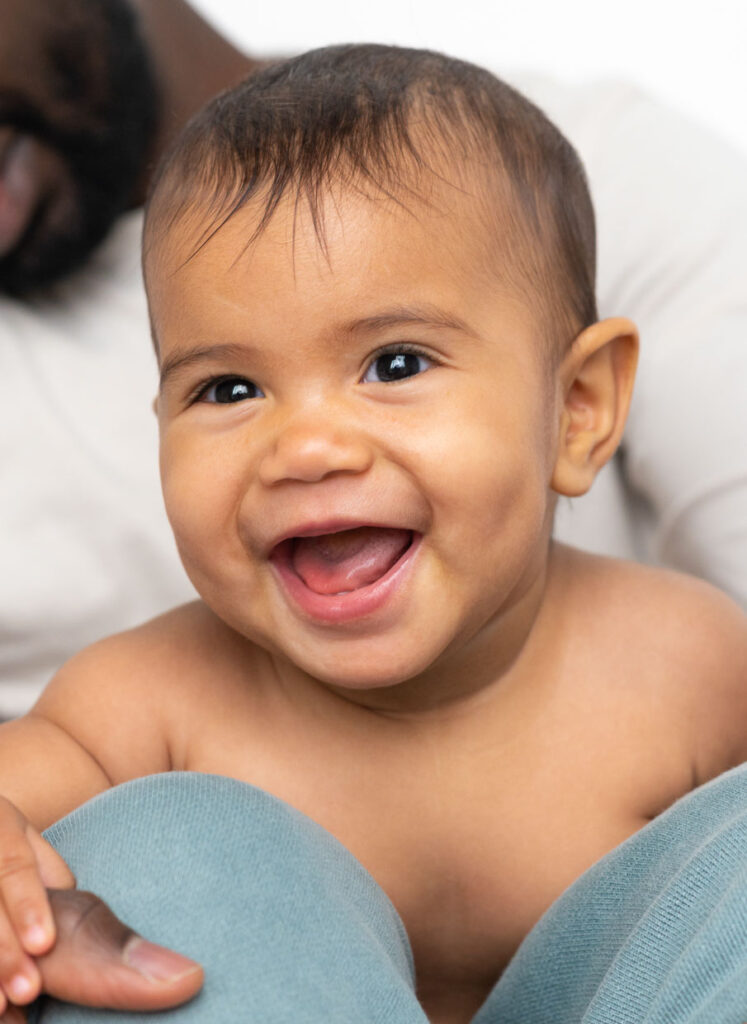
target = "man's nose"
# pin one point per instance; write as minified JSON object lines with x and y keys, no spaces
{"x":313,"y":448}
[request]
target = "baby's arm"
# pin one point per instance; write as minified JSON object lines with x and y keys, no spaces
{"x":713,"y":655}
{"x":44,"y":770}
{"x":85,"y":733}
{"x":694,"y":640}
{"x":43,"y":773}
{"x":100,"y":721}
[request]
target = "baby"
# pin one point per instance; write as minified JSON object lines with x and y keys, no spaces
{"x":381,"y":263}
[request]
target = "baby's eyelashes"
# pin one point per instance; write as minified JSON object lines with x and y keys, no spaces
{"x":397,"y":364}
{"x":225,"y":390}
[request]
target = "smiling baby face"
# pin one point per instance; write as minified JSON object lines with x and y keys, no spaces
{"x":357,"y":439}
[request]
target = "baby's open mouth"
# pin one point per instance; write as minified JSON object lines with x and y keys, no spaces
{"x":338,"y":563}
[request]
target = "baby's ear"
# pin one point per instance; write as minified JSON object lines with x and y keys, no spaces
{"x":596,"y":377}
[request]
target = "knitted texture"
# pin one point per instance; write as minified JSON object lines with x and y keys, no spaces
{"x":287,"y":923}
{"x":654,"y":933}
{"x":291,"y":928}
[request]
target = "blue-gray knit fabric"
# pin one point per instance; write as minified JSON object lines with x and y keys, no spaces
{"x":291,"y":928}
{"x":654,"y":933}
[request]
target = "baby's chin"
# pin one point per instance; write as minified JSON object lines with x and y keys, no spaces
{"x":372,"y":677}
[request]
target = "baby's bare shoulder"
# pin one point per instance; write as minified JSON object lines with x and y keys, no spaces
{"x":676,"y":636}
{"x":134,"y":699}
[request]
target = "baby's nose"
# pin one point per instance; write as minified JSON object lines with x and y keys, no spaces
{"x":311,"y":450}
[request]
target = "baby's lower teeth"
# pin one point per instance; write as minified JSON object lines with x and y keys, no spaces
{"x":338,"y":592}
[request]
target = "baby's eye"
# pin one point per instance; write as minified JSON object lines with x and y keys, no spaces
{"x":230,"y":389}
{"x":397,"y":365}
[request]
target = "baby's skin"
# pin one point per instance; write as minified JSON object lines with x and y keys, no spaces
{"x":361,"y":450}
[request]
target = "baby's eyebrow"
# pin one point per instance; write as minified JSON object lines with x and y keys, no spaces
{"x":200,"y":354}
{"x":427,"y":316}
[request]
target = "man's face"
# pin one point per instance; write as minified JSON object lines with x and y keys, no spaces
{"x":356,"y":444}
{"x":77,"y":112}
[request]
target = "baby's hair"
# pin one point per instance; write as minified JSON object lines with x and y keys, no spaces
{"x":379,"y":119}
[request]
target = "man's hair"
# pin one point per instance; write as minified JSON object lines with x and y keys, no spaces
{"x":378,"y":119}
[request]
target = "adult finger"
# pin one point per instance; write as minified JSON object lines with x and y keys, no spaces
{"x":99,"y":961}
{"x":13,"y":1015}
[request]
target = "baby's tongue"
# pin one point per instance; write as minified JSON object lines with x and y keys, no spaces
{"x":336,"y":562}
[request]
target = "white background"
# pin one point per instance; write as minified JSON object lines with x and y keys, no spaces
{"x":690,"y":53}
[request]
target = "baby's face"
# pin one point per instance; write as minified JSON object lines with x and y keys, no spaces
{"x":356,"y":447}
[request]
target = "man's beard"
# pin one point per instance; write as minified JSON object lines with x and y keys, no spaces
{"x":105,"y":160}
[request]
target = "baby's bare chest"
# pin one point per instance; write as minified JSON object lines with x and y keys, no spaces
{"x":471,"y":885}
{"x":470,"y":850}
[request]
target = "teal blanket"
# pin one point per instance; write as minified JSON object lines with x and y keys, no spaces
{"x":654,"y":933}
{"x":292,"y":930}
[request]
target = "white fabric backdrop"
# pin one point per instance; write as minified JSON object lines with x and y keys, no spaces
{"x":691,"y":55}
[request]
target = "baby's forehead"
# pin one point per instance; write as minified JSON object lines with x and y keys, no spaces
{"x":371,"y":268}
{"x":465,"y":154}
{"x":461,"y":211}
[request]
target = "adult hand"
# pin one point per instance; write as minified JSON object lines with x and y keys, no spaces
{"x":98,"y":961}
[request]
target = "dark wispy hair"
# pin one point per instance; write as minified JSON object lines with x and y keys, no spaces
{"x":378,"y":118}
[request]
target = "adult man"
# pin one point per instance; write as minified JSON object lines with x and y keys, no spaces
{"x":74,"y":155}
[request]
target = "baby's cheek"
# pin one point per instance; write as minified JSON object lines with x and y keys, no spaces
{"x":195,"y":505}
{"x":503,"y":498}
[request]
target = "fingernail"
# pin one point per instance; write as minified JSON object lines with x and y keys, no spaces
{"x":157,"y":963}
